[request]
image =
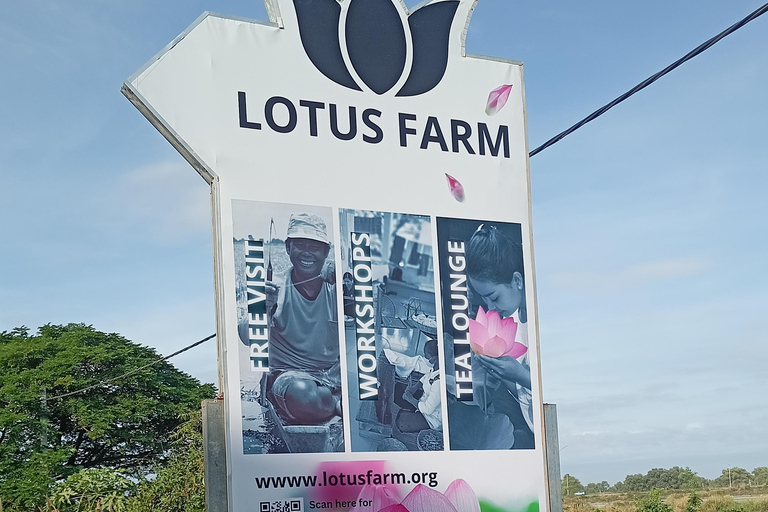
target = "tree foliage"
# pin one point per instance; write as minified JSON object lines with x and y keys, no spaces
{"x":92,"y":490}
{"x":180,"y":483}
{"x":733,"y":477}
{"x":123,"y":425}
{"x":677,"y":478}
{"x":653,"y":503}
{"x":694,"y":503}
{"x":571,"y":485}
{"x":658,"y":478}
{"x":596,"y":488}
{"x":760,"y":475}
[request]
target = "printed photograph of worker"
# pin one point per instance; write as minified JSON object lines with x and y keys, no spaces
{"x":390,"y":323}
{"x":288,"y":328}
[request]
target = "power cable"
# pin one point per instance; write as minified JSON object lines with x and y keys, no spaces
{"x":594,"y":115}
{"x":648,"y":81}
{"x":136,"y":370}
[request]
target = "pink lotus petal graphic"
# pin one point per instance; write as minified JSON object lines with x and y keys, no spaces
{"x":493,"y":322}
{"x":480,"y":316}
{"x":377,"y":497}
{"x":495,"y":347}
{"x":516,"y":350}
{"x":497,"y":99}
{"x":394,"y":508}
{"x":478,"y":334}
{"x":424,"y":499}
{"x":456,"y":188}
{"x":461,"y":495}
{"x":507,"y":329}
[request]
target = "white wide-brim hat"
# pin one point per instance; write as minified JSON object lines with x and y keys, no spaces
{"x":305,"y":225}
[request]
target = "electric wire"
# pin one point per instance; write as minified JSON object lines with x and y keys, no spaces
{"x":135,"y":370}
{"x":648,"y":81}
{"x":591,"y":117}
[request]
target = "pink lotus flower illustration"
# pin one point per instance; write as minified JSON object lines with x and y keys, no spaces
{"x":493,"y":336}
{"x":459,"y":497}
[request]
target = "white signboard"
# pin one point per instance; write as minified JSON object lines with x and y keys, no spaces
{"x":373,"y":254}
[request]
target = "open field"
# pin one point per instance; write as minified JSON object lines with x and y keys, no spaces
{"x":748,"y":499}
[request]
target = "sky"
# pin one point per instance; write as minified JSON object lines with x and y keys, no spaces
{"x":649,"y":223}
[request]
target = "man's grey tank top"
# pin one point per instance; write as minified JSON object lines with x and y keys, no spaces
{"x":304,"y":333}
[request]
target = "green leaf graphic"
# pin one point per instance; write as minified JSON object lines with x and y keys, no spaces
{"x":489,"y":507}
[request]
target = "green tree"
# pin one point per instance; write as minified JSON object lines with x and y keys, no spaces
{"x":760,"y":476}
{"x":694,"y":503}
{"x":673,"y":478}
{"x":733,"y":477}
{"x":653,"y":503}
{"x":636,"y":483}
{"x":125,"y":424}
{"x":25,"y":486}
{"x":571,"y":485}
{"x":689,"y":479}
{"x":180,"y":485}
{"x":618,"y":487}
{"x":659,"y":478}
{"x":596,"y":488}
{"x":92,"y":490}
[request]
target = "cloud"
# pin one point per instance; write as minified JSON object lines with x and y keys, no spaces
{"x":619,"y":446}
{"x":166,"y":200}
{"x":613,"y":281}
{"x":588,"y":433}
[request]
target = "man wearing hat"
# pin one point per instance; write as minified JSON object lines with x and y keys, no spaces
{"x":304,"y":339}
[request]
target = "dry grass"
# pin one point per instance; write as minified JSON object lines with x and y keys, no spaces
{"x":748,"y":499}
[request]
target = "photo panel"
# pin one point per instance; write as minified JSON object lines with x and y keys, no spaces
{"x":287,"y":322}
{"x":390,"y":328}
{"x":485,"y":326}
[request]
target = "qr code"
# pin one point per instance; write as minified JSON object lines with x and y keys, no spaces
{"x":294,"y":505}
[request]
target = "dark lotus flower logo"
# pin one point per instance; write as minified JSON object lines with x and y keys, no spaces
{"x":375,"y":39}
